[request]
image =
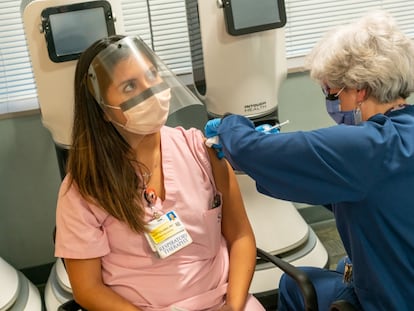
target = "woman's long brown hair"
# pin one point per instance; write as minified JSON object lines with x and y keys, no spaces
{"x":101,"y":163}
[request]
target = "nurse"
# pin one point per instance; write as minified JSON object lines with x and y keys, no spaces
{"x":362,"y":168}
{"x":145,"y":221}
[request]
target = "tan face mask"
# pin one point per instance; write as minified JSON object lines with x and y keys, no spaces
{"x":148,"y":116}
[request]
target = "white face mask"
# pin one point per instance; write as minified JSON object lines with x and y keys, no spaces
{"x":148,"y":116}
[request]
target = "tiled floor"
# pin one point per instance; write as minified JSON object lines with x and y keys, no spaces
{"x":322,"y":222}
{"x":327,"y":233}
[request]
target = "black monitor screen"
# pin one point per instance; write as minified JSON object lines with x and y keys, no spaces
{"x":247,"y":16}
{"x":70,"y":29}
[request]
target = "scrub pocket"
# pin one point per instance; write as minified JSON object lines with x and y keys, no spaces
{"x":212,"y":219}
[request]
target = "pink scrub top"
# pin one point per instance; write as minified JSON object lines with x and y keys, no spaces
{"x":195,"y":277}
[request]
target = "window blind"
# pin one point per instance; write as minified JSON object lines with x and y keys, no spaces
{"x":308,"y":20}
{"x":17,"y":87}
{"x":163,"y":25}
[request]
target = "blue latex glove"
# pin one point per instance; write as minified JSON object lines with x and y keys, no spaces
{"x":211,"y":127}
{"x":267,"y":129}
{"x":210,"y":131}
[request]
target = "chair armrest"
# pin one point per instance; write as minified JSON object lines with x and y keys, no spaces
{"x":301,"y":278}
{"x":70,"y":305}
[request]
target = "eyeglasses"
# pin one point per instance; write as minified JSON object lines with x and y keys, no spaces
{"x":326,"y":91}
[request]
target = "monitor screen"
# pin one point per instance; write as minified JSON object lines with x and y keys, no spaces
{"x":70,"y":29}
{"x":247,"y":16}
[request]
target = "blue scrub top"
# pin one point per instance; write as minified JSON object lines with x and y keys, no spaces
{"x":366,"y":174}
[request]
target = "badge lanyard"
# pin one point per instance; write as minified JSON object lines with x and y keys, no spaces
{"x":151,"y":197}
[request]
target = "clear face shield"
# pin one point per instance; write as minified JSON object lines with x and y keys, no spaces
{"x":129,"y":77}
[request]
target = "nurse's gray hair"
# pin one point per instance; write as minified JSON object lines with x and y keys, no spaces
{"x":371,"y":53}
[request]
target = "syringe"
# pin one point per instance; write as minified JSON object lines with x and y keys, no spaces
{"x":277,"y":126}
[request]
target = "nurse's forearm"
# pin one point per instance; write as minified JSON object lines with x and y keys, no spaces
{"x":242,"y":265}
{"x":88,"y":289}
{"x":103,"y":298}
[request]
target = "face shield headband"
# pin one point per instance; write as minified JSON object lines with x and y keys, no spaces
{"x":142,"y":97}
{"x":132,"y":60}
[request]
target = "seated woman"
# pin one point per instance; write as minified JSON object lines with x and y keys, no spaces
{"x":147,"y":217}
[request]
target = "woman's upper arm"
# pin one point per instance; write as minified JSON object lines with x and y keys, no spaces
{"x":235,"y":221}
{"x":84,"y":274}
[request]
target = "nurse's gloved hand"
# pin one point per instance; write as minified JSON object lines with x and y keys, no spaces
{"x":267,"y":129}
{"x":210,"y":131}
{"x":211,"y":127}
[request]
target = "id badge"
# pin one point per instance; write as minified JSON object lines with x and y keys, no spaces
{"x":167,"y":235}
